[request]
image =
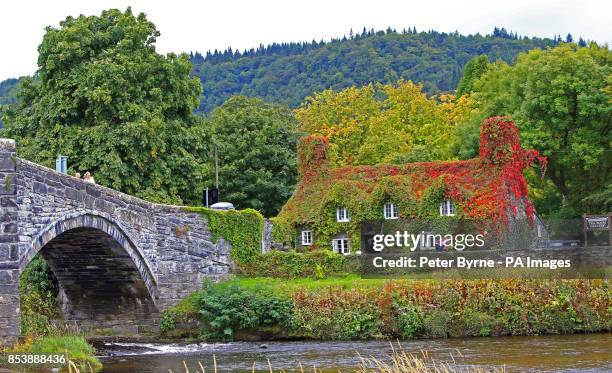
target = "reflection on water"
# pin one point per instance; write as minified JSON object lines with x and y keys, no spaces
{"x":572,"y":353}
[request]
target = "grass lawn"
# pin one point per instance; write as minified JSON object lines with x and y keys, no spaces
{"x":288,"y":286}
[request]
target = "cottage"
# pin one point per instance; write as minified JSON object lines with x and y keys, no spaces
{"x":342,"y":208}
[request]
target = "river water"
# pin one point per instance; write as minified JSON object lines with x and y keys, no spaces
{"x":568,"y":353}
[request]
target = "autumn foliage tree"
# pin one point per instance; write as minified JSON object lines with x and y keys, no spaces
{"x":384,"y":123}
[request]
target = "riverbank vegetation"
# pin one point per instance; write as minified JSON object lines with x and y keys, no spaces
{"x":38,"y":290}
{"x":74,"y":348}
{"x":356,"y":308}
{"x":41,"y":323}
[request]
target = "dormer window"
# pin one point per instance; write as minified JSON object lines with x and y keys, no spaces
{"x":390,"y":211}
{"x":447,"y":208}
{"x":342,"y":215}
{"x":306,"y":238}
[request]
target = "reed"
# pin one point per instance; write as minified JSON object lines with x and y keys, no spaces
{"x":399,"y":361}
{"x":73,"y":368}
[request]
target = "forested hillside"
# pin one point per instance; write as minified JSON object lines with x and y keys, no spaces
{"x":287,"y":73}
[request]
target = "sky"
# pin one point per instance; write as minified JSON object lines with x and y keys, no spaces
{"x":242,"y":24}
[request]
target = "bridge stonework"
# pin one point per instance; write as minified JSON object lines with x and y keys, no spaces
{"x":119,"y":260}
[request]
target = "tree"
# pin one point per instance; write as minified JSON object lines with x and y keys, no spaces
{"x":342,"y":117}
{"x":103,"y":97}
{"x":560,"y":99}
{"x":472,"y":71}
{"x":383,"y":123}
{"x":256,"y":145}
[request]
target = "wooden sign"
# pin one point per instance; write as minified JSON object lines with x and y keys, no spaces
{"x":597,"y":223}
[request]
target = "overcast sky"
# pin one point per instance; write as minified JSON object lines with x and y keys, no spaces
{"x":207,"y":25}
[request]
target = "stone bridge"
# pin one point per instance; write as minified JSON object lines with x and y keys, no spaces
{"x":119,"y":260}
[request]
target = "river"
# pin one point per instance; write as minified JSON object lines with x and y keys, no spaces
{"x":567,"y":353}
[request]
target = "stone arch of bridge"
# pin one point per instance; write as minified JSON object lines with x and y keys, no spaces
{"x":103,"y":228}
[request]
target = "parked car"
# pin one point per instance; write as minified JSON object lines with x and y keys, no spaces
{"x":222,"y":206}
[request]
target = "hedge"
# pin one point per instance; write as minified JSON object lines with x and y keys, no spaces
{"x":397,"y":309}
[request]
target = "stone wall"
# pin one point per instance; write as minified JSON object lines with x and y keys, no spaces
{"x":9,"y":251}
{"x":170,"y":249}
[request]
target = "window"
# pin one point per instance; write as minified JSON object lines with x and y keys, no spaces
{"x":306,"y":238}
{"x":341,"y":246}
{"x":447,"y":208}
{"x":390,"y":211}
{"x":342,"y":215}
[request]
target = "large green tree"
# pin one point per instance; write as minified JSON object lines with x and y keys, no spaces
{"x":561,"y":101}
{"x":256,"y":144}
{"x":106,"y":99}
{"x":472,"y":71}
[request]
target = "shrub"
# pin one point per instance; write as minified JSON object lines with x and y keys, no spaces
{"x":409,"y":322}
{"x":168,"y":321}
{"x":336,"y":313}
{"x":437,"y":324}
{"x":182,"y":319}
{"x":228,"y":309}
{"x":479,"y":324}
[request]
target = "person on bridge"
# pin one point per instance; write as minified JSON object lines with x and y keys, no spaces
{"x":88,"y":178}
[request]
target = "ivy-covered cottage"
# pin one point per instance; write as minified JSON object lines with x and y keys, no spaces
{"x":342,"y":208}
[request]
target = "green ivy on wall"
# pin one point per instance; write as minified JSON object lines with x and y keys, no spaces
{"x":242,"y":229}
{"x":367,"y":207}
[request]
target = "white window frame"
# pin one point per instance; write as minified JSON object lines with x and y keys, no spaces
{"x":447,"y":208}
{"x":390,"y":211}
{"x":306,"y":238}
{"x":342,"y":215}
{"x":341,"y":246}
